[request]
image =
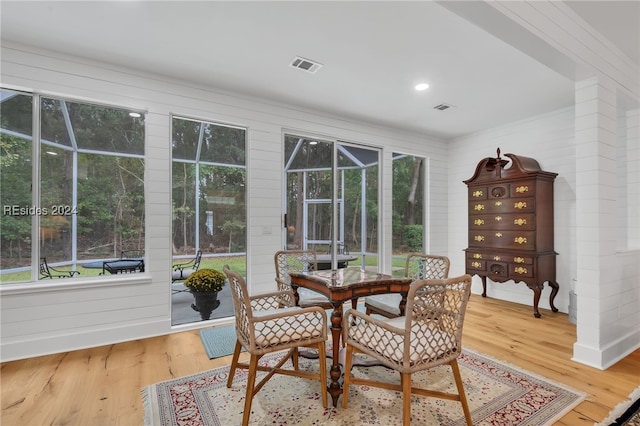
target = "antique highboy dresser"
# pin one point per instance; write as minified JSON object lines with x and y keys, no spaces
{"x":511,"y":224}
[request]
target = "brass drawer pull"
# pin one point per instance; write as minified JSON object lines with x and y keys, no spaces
{"x":520,"y":240}
{"x":478,"y":193}
{"x":478,"y":222}
{"x":522,"y":189}
{"x":520,"y":205}
{"x":478,"y":207}
{"x":520,"y":270}
{"x":478,"y":238}
{"x":520,"y":221}
{"x":518,"y":259}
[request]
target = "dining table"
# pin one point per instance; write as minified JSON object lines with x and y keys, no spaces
{"x":340,"y":286}
{"x":116,"y":265}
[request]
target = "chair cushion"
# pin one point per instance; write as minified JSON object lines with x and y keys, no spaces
{"x":181,"y":274}
{"x":311,"y":298}
{"x":426,"y":343}
{"x":385,"y":302}
{"x":291,"y":328}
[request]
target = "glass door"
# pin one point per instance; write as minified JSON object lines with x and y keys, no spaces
{"x":323,"y":212}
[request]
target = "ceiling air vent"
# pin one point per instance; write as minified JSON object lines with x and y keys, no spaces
{"x":442,"y":106}
{"x":305,"y":64}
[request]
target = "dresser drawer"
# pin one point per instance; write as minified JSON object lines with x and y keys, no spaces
{"x":519,"y":240}
{"x":523,"y":189}
{"x":476,"y":265}
{"x":478,"y":193}
{"x":502,"y":221}
{"x":520,"y":270}
{"x":507,"y":205}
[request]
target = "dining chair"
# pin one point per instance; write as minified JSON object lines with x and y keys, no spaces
{"x":298,"y":261}
{"x":269,"y":323}
{"x":47,"y":271}
{"x":419,"y":266}
{"x":429,"y":335}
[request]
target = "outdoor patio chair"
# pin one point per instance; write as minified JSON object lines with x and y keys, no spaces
{"x":270,"y":323}
{"x":298,"y":261}
{"x":418,"y":266}
{"x":429,"y":335}
{"x":181,"y":271}
{"x":47,"y":271}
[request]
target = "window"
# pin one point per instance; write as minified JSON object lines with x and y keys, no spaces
{"x":408,"y":207}
{"x":89,"y":186}
{"x":208,"y":197}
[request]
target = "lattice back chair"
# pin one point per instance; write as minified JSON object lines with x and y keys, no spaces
{"x":418,"y":266}
{"x":298,"y":261}
{"x":429,"y":335}
{"x":47,"y":271}
{"x":269,"y":323}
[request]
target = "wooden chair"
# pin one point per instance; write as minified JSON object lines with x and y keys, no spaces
{"x":269,"y":323}
{"x":429,"y":335}
{"x":181,"y":271}
{"x":418,"y":266}
{"x":47,"y":271}
{"x":298,"y":261}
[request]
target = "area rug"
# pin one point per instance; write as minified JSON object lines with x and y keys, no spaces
{"x":626,"y":413}
{"x":218,"y":341}
{"x":498,"y":394}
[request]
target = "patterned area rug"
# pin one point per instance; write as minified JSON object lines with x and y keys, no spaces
{"x":626,"y":413}
{"x":498,"y":394}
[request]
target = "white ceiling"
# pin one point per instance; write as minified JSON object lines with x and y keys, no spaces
{"x":373,"y":54}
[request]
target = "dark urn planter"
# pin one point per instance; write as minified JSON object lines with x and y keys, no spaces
{"x":206,"y":302}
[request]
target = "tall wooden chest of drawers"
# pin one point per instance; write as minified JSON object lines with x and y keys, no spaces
{"x":511,"y":224}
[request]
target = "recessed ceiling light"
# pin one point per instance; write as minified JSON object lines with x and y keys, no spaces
{"x":422,"y":86}
{"x":134,"y":114}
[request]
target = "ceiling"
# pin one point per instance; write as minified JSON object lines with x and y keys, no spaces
{"x":373,"y":54}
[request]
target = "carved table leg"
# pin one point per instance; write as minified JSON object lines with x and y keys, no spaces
{"x":554,"y":290}
{"x":335,"y":388}
{"x":484,"y":286}
{"x":403,"y":303}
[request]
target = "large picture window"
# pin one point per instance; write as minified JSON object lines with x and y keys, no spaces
{"x":408,"y":207}
{"x":86,"y":198}
{"x":209,"y":202}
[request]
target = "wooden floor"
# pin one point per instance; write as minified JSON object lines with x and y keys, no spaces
{"x":101,"y":386}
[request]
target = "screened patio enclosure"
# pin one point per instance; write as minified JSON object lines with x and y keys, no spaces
{"x":322,"y":212}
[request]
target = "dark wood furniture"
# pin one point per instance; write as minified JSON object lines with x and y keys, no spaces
{"x":511,"y":224}
{"x":340,"y":286}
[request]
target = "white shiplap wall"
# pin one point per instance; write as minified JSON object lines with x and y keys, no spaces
{"x":40,"y":318}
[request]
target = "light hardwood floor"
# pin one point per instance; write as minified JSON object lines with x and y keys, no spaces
{"x":101,"y":386}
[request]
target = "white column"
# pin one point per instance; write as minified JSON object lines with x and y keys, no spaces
{"x":633,"y":179}
{"x":595,"y":138}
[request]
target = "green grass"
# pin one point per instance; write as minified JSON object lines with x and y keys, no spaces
{"x":236,"y":263}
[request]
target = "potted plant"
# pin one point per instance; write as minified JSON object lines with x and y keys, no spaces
{"x":205,"y":284}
